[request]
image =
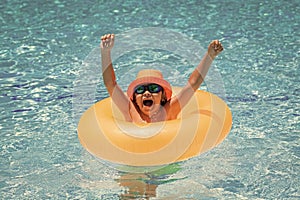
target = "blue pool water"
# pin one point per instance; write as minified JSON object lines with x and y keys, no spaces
{"x":44,"y":45}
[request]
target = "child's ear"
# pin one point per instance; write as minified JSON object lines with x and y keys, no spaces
{"x":163,"y":99}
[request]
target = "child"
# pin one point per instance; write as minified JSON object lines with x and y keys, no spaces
{"x":149,"y":96}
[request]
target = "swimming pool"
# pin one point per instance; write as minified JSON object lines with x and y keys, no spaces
{"x":43,"y":46}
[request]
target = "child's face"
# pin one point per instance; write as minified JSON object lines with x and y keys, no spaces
{"x":149,"y":103}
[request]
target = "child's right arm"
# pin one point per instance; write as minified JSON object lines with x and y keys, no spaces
{"x":109,"y":78}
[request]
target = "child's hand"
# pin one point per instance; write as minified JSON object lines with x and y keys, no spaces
{"x":214,"y":48}
{"x":107,"y":41}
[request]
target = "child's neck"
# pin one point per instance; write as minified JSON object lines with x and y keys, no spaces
{"x":157,"y":116}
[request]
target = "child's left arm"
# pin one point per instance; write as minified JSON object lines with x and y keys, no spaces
{"x":195,"y":79}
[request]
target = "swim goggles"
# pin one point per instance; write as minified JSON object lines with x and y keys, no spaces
{"x":152,"y":88}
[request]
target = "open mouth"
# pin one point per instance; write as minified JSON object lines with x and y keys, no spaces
{"x":148,"y":103}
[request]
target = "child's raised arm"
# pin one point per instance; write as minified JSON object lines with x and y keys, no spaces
{"x":195,"y":79}
{"x":198,"y":75}
{"x":109,"y":77}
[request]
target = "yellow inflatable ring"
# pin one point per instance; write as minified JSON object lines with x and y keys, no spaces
{"x":203,"y":123}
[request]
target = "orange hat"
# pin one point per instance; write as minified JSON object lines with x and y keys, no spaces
{"x":150,"y":76}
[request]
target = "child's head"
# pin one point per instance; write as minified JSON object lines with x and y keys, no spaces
{"x":149,"y":90}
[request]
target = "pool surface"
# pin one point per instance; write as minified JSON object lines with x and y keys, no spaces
{"x":50,"y":75}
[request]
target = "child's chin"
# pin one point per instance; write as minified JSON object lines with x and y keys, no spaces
{"x":147,"y":109}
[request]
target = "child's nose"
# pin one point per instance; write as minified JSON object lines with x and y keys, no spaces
{"x":147,"y":94}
